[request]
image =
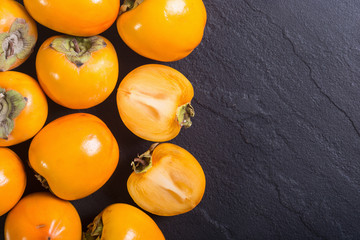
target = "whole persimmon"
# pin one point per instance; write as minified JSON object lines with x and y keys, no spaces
{"x":123,"y":221}
{"x":163,"y":30}
{"x":74,"y":155}
{"x":76,"y":72}
{"x":43,"y":216}
{"x":74,"y":17}
{"x":167,"y":180}
{"x":154,"y":102}
{"x":18,"y":35}
{"x":23,"y":108}
{"x":12,"y":179}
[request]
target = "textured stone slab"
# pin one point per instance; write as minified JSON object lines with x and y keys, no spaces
{"x":277,"y":126}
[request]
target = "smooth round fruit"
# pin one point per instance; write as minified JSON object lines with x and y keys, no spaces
{"x":163,"y":30}
{"x":23,"y":108}
{"x":77,"y":18}
{"x":12,"y":179}
{"x":18,"y":35}
{"x":43,"y":216}
{"x":154,"y":102}
{"x":167,"y":180}
{"x":80,"y":76}
{"x":75,"y":155}
{"x":122,"y":222}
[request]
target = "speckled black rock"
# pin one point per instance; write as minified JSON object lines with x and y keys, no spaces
{"x":277,"y":126}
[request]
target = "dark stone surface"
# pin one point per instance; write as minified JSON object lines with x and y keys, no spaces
{"x":277,"y":126}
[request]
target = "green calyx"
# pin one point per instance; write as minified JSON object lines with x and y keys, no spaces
{"x":11,"y":104}
{"x":78,"y":50}
{"x":144,"y":162}
{"x":15,"y":44}
{"x":95,"y":229}
{"x":43,"y":181}
{"x":129,"y":5}
{"x":184,"y":114}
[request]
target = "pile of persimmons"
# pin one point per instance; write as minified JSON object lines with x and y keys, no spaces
{"x":79,"y":70}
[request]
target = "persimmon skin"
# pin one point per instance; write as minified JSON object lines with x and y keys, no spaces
{"x":123,"y":221}
{"x":10,"y":10}
{"x":174,"y":184}
{"x":43,"y":216}
{"x":77,"y":18}
{"x":76,"y":154}
{"x":163,"y":30}
{"x":12,"y":179}
{"x":148,"y":98}
{"x":33,"y":117}
{"x":77,"y":87}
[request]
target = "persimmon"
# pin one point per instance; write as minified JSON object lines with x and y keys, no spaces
{"x":163,"y":30}
{"x":154,"y":102}
{"x":167,"y":180}
{"x":123,"y":221}
{"x":74,"y":155}
{"x":79,"y":18}
{"x":23,"y":108}
{"x":77,"y":72}
{"x":12,"y":179}
{"x":18,"y":35}
{"x":43,"y":216}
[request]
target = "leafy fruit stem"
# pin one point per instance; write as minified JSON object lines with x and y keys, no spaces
{"x":184,"y":114}
{"x":129,"y":5}
{"x":43,"y":181}
{"x":95,"y":229}
{"x":15,"y":44}
{"x":11,"y":105}
{"x":76,"y":45}
{"x":78,"y":50}
{"x":144,"y":162}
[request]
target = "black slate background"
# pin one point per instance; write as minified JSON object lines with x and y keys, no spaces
{"x":277,"y":126}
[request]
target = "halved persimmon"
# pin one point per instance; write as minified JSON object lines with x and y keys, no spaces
{"x":167,"y":180}
{"x":154,"y":102}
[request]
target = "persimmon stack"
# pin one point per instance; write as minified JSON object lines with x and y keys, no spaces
{"x":75,"y":155}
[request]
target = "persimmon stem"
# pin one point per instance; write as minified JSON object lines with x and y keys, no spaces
{"x":76,"y":45}
{"x":43,"y":181}
{"x":152,"y":147}
{"x":184,"y":114}
{"x":78,"y":50}
{"x":139,"y":160}
{"x":144,"y":162}
{"x":128,"y":5}
{"x":95,"y":229}
{"x":123,"y":8}
{"x":3,"y":106}
{"x":10,"y":50}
